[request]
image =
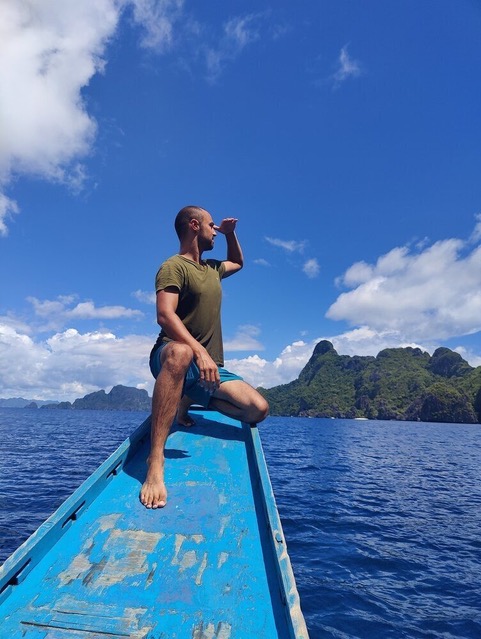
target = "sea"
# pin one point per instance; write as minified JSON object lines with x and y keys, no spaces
{"x":382,"y":519}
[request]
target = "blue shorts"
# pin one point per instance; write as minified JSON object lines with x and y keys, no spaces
{"x":192,"y":388}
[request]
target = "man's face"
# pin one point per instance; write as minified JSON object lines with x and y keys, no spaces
{"x":206,"y":232}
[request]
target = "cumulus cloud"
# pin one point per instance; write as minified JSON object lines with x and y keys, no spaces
{"x":291,"y":246}
{"x":311,"y":268}
{"x":71,"y":364}
{"x":245,"y":339}
{"x":347,"y":68}
{"x":428,"y":293}
{"x":49,"y":51}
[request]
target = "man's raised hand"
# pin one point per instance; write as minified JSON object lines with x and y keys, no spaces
{"x":227,"y":225}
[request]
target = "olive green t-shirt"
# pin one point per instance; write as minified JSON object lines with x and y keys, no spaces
{"x":200,"y":296}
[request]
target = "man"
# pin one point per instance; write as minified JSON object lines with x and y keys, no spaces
{"x":188,"y":356}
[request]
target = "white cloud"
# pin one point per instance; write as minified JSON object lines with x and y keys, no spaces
{"x":157,"y":18}
{"x":261,"y":262}
{"x":347,"y":68}
{"x":71,"y":364}
{"x":49,"y":51}
{"x":238,"y":33}
{"x":476,"y":234}
{"x":311,"y":268}
{"x":433,"y":293}
{"x":245,"y":339}
{"x":291,"y":246}
{"x":57,"y":313}
{"x":284,"y":368}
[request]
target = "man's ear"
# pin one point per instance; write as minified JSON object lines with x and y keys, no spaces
{"x":194,"y":224}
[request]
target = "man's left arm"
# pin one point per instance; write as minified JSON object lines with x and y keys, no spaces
{"x":235,"y":258}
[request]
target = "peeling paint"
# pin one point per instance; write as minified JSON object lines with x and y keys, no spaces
{"x":224,"y":522}
{"x":203,"y":566}
{"x":107,"y":522}
{"x":223,"y":630}
{"x":188,"y":560}
{"x":223,"y":557}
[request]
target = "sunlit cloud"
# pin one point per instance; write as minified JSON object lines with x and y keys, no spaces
{"x":429,"y":293}
{"x":71,"y":364}
{"x":49,"y":52}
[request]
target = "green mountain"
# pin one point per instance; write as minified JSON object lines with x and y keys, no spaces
{"x":119,"y":398}
{"x":400,"y":383}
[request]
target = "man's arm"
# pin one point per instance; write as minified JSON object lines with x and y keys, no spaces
{"x":235,"y":258}
{"x":167,"y":318}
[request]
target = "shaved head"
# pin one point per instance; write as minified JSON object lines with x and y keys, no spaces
{"x":184,"y":216}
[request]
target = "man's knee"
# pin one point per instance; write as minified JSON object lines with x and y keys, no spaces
{"x":258,"y":409}
{"x":176,"y":357}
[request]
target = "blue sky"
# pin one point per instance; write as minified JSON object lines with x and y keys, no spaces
{"x":344,"y":135}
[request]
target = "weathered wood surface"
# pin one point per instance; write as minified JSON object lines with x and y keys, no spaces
{"x":212,"y":564}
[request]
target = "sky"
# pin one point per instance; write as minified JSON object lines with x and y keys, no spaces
{"x":345,"y":136}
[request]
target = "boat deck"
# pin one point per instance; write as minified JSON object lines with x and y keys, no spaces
{"x":212,"y":564}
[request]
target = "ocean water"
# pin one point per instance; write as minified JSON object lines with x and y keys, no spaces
{"x":382,"y":519}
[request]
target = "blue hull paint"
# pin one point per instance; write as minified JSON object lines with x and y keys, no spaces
{"x":212,"y":564}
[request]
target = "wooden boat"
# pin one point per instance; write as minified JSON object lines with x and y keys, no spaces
{"x":212,"y":564}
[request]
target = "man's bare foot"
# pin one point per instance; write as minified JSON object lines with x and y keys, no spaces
{"x":183,"y":418}
{"x":153,"y":493}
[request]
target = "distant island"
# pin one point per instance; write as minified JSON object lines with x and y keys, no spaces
{"x":120,"y":398}
{"x":399,"y":383}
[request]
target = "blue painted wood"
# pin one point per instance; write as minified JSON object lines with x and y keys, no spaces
{"x":212,"y":564}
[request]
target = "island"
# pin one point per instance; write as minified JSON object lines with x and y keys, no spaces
{"x":397,"y":384}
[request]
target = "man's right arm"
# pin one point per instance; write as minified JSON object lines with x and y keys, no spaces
{"x":167,"y":318}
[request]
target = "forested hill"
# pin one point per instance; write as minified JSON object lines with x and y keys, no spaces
{"x":400,"y":383}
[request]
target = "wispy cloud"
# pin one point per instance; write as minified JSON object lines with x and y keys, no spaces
{"x":158,"y":19}
{"x":147,"y":297}
{"x":291,"y":246}
{"x":238,"y":33}
{"x":347,"y":68}
{"x":261,"y":262}
{"x":245,"y":339}
{"x":57,"y":313}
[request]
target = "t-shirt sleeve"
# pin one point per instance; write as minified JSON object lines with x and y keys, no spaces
{"x":218,"y":266}
{"x":169,"y":274}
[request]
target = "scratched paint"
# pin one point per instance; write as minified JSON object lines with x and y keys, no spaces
{"x":220,"y":630}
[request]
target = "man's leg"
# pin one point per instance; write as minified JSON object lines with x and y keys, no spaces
{"x":175,"y":360}
{"x":238,"y":399}
{"x":183,"y":418}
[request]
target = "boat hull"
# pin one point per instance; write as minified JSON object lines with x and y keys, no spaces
{"x":212,"y":564}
